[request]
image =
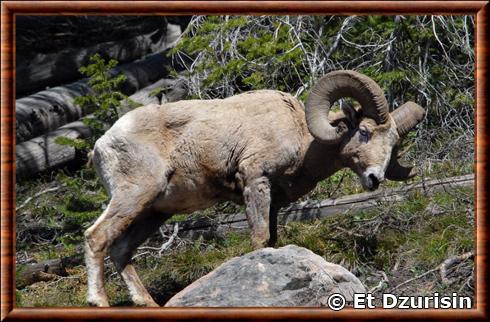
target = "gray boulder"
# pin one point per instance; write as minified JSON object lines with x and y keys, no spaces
{"x":288,"y":276}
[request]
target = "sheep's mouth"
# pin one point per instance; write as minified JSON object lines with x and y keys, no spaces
{"x":373,"y":182}
{"x":370,"y":182}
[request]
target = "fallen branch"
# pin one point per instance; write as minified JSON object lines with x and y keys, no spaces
{"x":381,"y":283}
{"x":37,"y":195}
{"x":162,"y":248}
{"x":362,"y":201}
{"x":415,"y":278}
{"x":444,"y":267}
{"x":43,"y":153}
{"x":169,"y":242}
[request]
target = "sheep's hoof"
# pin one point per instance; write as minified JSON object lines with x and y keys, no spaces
{"x":153,"y":304}
{"x":146,"y":301}
{"x":98,"y":302}
{"x":259,"y":243}
{"x":146,"y":304}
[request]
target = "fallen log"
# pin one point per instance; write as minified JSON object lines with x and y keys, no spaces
{"x":163,"y":91}
{"x":368,"y":200}
{"x":43,"y":153}
{"x":48,"y":110}
{"x":45,"y":271}
{"x":46,"y":70}
{"x":307,"y":211}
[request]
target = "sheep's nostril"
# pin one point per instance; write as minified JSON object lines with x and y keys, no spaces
{"x":374,"y":181}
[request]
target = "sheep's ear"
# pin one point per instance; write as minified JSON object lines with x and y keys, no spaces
{"x":352,"y":113}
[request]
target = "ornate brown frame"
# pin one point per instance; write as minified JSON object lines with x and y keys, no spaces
{"x":11,"y":8}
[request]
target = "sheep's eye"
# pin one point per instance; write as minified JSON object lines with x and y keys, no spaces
{"x":364,"y":134}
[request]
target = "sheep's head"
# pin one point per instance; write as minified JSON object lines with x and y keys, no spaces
{"x":367,"y":137}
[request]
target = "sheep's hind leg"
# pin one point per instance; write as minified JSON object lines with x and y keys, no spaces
{"x":123,"y":248}
{"x":257,"y":200}
{"x":94,"y":259}
{"x":128,"y":202}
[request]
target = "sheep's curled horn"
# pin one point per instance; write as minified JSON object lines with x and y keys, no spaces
{"x":334,"y":86}
{"x":405,"y":117}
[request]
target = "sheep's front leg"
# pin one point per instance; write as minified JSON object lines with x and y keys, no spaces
{"x":257,"y":199}
{"x":274,"y":210}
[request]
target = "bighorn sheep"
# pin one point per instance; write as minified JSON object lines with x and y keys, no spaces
{"x":260,"y":148}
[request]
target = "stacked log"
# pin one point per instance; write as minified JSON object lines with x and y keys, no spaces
{"x":43,"y":153}
{"x":46,"y":70}
{"x":44,"y":116}
{"x":50,"y":49}
{"x":49,"y":109}
{"x":53,"y":33}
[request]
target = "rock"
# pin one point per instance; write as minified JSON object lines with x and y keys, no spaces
{"x":434,"y":209}
{"x":288,"y":276}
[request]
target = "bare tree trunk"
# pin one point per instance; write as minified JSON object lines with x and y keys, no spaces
{"x":48,"y":110}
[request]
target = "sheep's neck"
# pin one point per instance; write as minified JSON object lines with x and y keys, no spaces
{"x":321,"y":161}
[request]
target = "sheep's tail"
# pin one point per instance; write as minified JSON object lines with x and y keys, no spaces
{"x":90,"y":157}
